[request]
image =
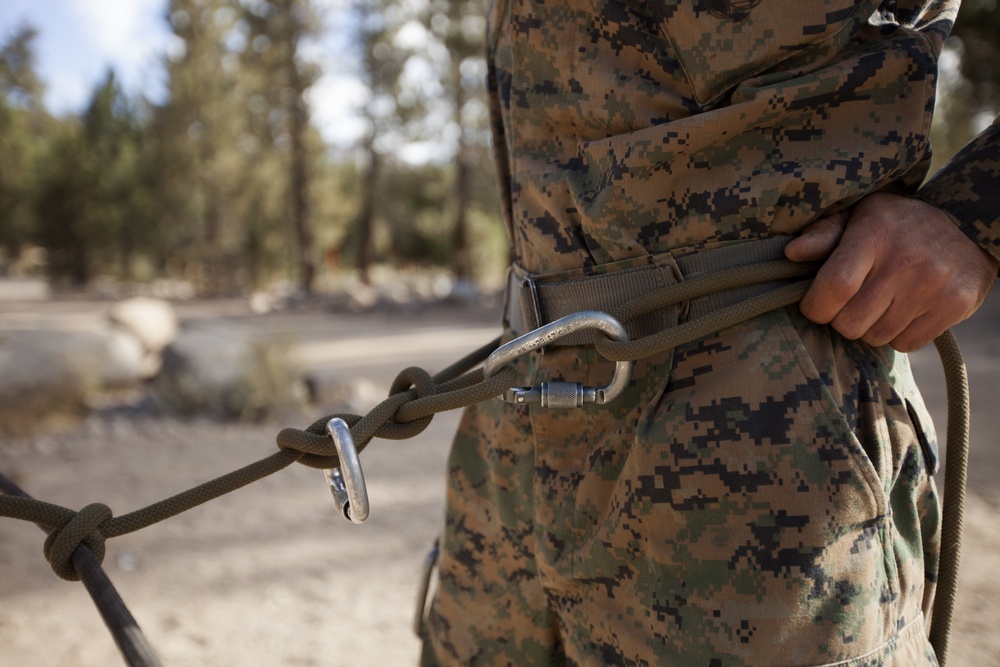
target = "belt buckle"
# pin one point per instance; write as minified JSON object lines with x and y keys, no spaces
{"x":531,"y":305}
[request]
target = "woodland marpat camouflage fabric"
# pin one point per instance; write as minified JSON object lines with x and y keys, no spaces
{"x":762,"y":496}
{"x":967,"y":188}
{"x":739,"y":505}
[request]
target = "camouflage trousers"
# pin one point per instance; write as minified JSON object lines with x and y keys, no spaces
{"x":759,"y":497}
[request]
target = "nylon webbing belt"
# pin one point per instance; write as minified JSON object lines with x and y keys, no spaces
{"x":533,"y":301}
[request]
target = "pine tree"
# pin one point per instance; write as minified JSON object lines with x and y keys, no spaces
{"x":24,"y":129}
{"x":279,"y":79}
{"x":461,"y":26}
{"x":198,"y":133}
{"x":94,"y":216}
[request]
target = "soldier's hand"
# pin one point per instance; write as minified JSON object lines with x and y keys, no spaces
{"x":898,"y":271}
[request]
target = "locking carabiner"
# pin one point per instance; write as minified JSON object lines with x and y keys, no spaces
{"x":563,"y":394}
{"x":347,"y":482}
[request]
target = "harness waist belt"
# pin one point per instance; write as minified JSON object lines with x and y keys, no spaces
{"x":533,"y":301}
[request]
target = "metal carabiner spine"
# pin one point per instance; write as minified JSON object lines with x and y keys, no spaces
{"x":563,"y":394}
{"x":347,"y":482}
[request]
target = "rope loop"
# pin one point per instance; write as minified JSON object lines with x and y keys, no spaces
{"x":414,"y":383}
{"x":317,"y":448}
{"x":82,"y":528}
{"x":313,"y":444}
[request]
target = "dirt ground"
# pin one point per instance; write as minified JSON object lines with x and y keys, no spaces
{"x":270,"y":575}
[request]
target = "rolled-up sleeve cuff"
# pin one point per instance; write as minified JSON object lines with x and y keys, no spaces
{"x":968,"y":188}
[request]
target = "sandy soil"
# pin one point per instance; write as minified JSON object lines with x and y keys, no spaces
{"x":270,"y":575}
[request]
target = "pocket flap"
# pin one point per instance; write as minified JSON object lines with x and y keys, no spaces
{"x":720,"y":43}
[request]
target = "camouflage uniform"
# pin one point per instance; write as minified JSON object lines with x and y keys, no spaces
{"x":762,"y":496}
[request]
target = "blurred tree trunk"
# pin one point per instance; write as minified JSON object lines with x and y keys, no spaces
{"x":381,"y":65}
{"x":292,"y":17}
{"x":300,"y":199}
{"x":280,"y":80}
{"x":365,"y":223}
{"x":460,"y":224}
{"x":459,"y":24}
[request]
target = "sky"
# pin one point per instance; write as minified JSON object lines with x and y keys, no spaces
{"x":79,"y":40}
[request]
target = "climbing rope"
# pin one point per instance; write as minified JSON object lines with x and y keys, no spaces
{"x":416,"y":396}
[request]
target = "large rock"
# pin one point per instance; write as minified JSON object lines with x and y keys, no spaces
{"x":23,"y":289}
{"x":152,"y":321}
{"x":97,"y":359}
{"x":234,"y":376}
{"x":47,"y":376}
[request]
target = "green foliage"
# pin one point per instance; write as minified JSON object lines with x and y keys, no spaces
{"x":227,"y":184}
{"x":24,"y":128}
{"x":201,"y":144}
{"x":92,"y":197}
{"x":20,"y":86}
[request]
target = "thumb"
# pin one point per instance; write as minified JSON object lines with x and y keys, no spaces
{"x":818,"y":240}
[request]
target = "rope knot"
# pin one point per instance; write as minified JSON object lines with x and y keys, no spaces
{"x":82,"y":528}
{"x":315,"y":448}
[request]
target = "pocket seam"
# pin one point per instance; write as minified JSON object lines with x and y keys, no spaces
{"x":862,"y":462}
{"x":930,"y":453}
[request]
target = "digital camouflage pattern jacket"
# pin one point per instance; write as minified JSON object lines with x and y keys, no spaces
{"x":626,"y":128}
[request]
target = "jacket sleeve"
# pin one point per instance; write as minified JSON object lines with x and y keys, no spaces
{"x":968,"y":186}
{"x":968,"y":189}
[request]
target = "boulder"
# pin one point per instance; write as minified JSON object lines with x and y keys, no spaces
{"x":97,"y":359}
{"x":48,"y":376}
{"x":151,"y":321}
{"x":23,"y":289}
{"x":232,"y":376}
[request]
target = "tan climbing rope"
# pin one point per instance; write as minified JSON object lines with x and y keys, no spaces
{"x":416,"y":396}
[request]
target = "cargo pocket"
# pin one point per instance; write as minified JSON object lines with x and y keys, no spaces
{"x":882,"y":407}
{"x":745,"y":521}
{"x":925,"y":528}
{"x":720,"y":43}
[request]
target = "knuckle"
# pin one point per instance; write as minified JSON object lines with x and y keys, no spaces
{"x":907,"y":347}
{"x":813,"y":311}
{"x":839,"y":284}
{"x":907,"y":343}
{"x":963,"y":297}
{"x":847,"y":328}
{"x":877,"y":337}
